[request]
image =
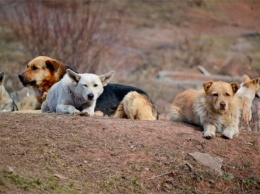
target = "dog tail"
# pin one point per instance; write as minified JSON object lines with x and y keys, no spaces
{"x":136,"y":106}
{"x":120,"y":111}
{"x":175,"y":114}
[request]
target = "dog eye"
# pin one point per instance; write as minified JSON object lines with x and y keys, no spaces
{"x":227,"y":94}
{"x":215,"y":94}
{"x":86,"y":86}
{"x":34,"y":68}
{"x":95,"y":85}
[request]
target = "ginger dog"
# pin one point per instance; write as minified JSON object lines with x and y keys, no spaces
{"x":41,"y":73}
{"x":7,"y":104}
{"x":216,"y":108}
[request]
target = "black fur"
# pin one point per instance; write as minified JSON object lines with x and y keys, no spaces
{"x":111,"y":97}
{"x":1,"y":76}
{"x":50,"y":66}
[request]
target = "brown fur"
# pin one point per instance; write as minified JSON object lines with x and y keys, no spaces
{"x":41,"y":73}
{"x":216,"y":108}
{"x":27,"y":103}
{"x":136,"y":106}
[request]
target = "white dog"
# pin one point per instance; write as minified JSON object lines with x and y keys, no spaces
{"x":76,"y":93}
{"x":249,"y":89}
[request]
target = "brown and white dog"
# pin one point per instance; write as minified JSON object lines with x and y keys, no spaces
{"x":41,"y":73}
{"x":248,"y":91}
{"x":216,"y":108}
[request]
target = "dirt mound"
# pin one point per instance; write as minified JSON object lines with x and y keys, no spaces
{"x":52,"y":153}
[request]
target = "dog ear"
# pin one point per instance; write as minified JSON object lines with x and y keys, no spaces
{"x":235,"y":87}
{"x":2,"y":75}
{"x":53,"y":65}
{"x":246,"y":78}
{"x":206,"y":85}
{"x":105,"y":78}
{"x":256,"y":81}
{"x":73,"y":76}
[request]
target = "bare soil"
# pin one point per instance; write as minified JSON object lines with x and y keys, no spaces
{"x":53,"y":153}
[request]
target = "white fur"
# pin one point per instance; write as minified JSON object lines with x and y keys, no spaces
{"x":72,"y":94}
{"x":247,"y":96}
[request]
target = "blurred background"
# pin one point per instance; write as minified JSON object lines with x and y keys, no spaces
{"x":161,"y":46}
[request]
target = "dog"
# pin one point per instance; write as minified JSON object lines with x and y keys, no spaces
{"x":6,"y":102}
{"x":249,"y":89}
{"x":114,"y":100}
{"x":123,"y":101}
{"x":136,"y":106}
{"x":76,"y":93}
{"x":216,"y":108}
{"x":41,"y":73}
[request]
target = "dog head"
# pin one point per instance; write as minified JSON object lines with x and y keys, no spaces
{"x":2,"y":76}
{"x":220,"y":94}
{"x":42,"y":71}
{"x":89,"y":86}
{"x":249,"y":88}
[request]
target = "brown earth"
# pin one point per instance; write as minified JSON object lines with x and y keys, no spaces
{"x":53,"y":153}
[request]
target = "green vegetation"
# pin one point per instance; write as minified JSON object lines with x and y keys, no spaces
{"x":251,"y":183}
{"x":30,"y":184}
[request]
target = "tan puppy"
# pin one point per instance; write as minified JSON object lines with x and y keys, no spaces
{"x":136,"y":106}
{"x":7,"y":104}
{"x":41,"y":73}
{"x":247,"y":92}
{"x":216,"y":108}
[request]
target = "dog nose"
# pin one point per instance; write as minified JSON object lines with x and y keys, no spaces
{"x":20,"y":77}
{"x":222,"y":105}
{"x":90,"y":96}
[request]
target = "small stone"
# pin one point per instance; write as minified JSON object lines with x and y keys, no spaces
{"x":214,"y":163}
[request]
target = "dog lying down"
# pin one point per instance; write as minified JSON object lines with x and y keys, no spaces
{"x":76,"y":93}
{"x":87,"y":93}
{"x":40,"y":74}
{"x":216,"y":108}
{"x":6,"y":102}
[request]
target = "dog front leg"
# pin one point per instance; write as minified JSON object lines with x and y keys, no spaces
{"x":90,"y":110}
{"x":209,"y":130}
{"x":67,"y":109}
{"x":247,"y":113}
{"x":229,"y":132}
{"x":45,"y":107}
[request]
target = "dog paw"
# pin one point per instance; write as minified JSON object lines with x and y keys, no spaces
{"x":86,"y":114}
{"x":209,"y":134}
{"x":75,"y":112}
{"x":99,"y":114}
{"x":228,"y":134}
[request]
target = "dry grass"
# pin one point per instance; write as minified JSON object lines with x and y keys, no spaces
{"x":76,"y":32}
